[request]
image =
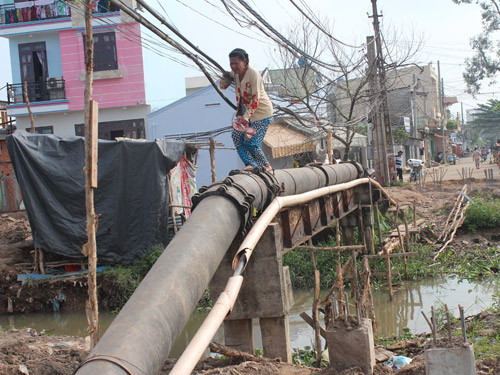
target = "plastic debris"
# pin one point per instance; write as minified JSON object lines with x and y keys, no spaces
{"x":397,"y":362}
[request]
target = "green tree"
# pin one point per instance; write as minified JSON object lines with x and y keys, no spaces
{"x":451,"y":125}
{"x":485,"y":63}
{"x":487,"y":120}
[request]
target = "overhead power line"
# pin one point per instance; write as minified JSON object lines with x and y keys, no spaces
{"x":125,"y":8}
{"x":320,"y":27}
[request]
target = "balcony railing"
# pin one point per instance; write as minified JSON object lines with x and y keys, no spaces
{"x":41,"y":91}
{"x":28,"y":11}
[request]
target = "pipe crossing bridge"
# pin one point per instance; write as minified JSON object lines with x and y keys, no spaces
{"x":258,"y":212}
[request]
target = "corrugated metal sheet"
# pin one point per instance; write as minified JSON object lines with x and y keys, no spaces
{"x":285,"y":141}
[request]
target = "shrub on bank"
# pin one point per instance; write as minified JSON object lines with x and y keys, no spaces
{"x":126,"y":278}
{"x":484,"y":213}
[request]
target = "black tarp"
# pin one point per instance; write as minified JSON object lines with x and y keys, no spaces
{"x":131,"y":198}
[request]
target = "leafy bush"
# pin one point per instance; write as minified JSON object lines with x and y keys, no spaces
{"x":484,"y":213}
{"x":126,"y":278}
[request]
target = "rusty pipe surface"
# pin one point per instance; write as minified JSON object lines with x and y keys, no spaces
{"x":141,"y":336}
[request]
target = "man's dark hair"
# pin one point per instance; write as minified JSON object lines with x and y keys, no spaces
{"x":241,"y":54}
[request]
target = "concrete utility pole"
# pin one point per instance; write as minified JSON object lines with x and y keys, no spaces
{"x":382,"y":112}
{"x":413,"y":128}
{"x":378,"y":145}
{"x":441,"y":109}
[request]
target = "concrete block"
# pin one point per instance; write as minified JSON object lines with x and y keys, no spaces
{"x":276,"y":338}
{"x":352,"y":347}
{"x":266,"y":289}
{"x":238,"y":334}
{"x":289,"y":300}
{"x":455,"y":360}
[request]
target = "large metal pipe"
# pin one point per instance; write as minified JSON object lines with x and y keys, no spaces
{"x":141,"y":336}
{"x":226,"y":300}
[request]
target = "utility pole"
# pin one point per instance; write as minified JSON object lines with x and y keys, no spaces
{"x":381,"y":166}
{"x":414,"y":149}
{"x":441,"y":109}
{"x":462,"y":112}
{"x":382,"y":112}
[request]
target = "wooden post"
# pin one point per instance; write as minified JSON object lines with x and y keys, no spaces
{"x":329,"y":148}
{"x":315,"y":311}
{"x":389,"y":274}
{"x":212,"y":159}
{"x":377,"y":213}
{"x":28,"y":105}
{"x":35,"y":261}
{"x":41,"y":261}
{"x":405,"y":261}
{"x":340,"y":279}
{"x":361,"y":227}
{"x":90,"y":171}
{"x":171,"y":208}
{"x":407,"y":236}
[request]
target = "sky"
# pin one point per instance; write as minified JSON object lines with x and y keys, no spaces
{"x":444,"y":28}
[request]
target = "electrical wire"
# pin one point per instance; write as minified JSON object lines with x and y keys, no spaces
{"x":321,"y":28}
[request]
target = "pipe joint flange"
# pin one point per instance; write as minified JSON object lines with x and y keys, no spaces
{"x":359,"y":167}
{"x":236,"y":193}
{"x":272,"y":183}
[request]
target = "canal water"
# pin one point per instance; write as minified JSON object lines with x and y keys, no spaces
{"x":392,"y":317}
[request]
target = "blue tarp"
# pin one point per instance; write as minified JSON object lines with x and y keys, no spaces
{"x":131,"y":199}
{"x":37,"y":276}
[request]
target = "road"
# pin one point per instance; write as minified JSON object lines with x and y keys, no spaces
{"x":468,"y":163}
{"x":453,"y":171}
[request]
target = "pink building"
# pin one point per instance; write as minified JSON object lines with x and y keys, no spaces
{"x":46,"y":39}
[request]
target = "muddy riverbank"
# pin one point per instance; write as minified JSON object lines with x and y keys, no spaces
{"x":44,"y":354}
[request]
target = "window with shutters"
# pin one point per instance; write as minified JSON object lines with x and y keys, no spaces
{"x":105,"y":57}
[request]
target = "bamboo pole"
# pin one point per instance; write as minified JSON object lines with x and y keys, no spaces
{"x":366,"y":295}
{"x":212,"y":159}
{"x":315,"y":307}
{"x":389,"y":273}
{"x":41,"y":261}
{"x":340,"y":286}
{"x":407,"y":237}
{"x":405,"y":261}
{"x":28,"y":106}
{"x":334,"y":248}
{"x":377,"y":213}
{"x":90,"y":171}
{"x":172,"y":211}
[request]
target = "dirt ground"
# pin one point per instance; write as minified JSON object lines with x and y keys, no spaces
{"x":28,"y":352}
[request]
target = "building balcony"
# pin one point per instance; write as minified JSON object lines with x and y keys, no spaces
{"x":45,"y":15}
{"x":41,"y":91}
{"x":30,"y":11}
{"x":44,"y":96}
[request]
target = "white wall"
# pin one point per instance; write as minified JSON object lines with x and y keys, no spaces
{"x":202,"y":111}
{"x":64,"y":122}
